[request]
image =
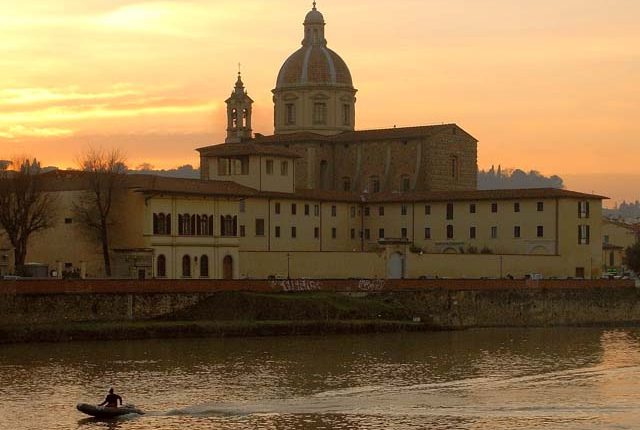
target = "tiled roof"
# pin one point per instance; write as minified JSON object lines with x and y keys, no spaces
{"x":63,"y":180}
{"x":73,"y":180}
{"x":165,"y":185}
{"x":241,"y":149}
{"x":361,"y":135}
{"x":435,"y":196}
{"x":513,"y":194}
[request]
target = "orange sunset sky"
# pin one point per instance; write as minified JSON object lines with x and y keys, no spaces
{"x":547,"y":85}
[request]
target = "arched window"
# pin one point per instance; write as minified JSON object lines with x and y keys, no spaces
{"x":186,"y":266}
{"x":168,"y":224}
{"x":405,"y":183}
{"x":161,"y":224}
{"x":234,"y":118}
{"x":346,"y":184}
{"x":203,"y":225}
{"x":155,"y":224}
{"x":204,"y":266}
{"x":161,"y":267}
{"x":374,"y":183}
{"x":211,"y":232}
{"x":180,"y":225}
{"x":186,"y":224}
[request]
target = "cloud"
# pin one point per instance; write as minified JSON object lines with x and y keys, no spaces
{"x":20,"y":131}
{"x":32,"y":111}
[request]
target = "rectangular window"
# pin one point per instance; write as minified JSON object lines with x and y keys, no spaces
{"x":540,"y":206}
{"x":584,"y":233}
{"x":277,"y":234}
{"x":494,"y":208}
{"x":334,"y":233}
{"x":277,"y":208}
{"x":353,"y":211}
{"x":334,"y":211}
{"x":404,"y":233}
{"x":68,"y":220}
{"x":316,"y":210}
{"x":516,"y":232}
{"x":381,"y":233}
{"x":346,"y":114}
{"x":294,"y":232}
{"x":516,"y":207}
{"x":472,"y":208}
{"x":427,"y":209}
{"x":223,"y":167}
{"x":403,"y":210}
{"x":472,"y":232}
{"x":427,"y":233}
{"x":291,"y":114}
{"x":320,"y":113}
{"x":367,"y":234}
{"x":494,"y":232}
{"x":605,"y":238}
{"x":307,"y":210}
{"x":316,"y":233}
{"x":449,"y":232}
{"x":243,"y":231}
{"x":367,"y":211}
{"x":284,"y":168}
{"x":294,"y":209}
{"x":259,"y":227}
{"x":540,"y":231}
{"x":381,"y":211}
{"x":269,"y":167}
{"x":353,"y":233}
{"x":449,"y":210}
{"x":243,"y":206}
{"x":583,"y":210}
{"x":244,"y":166}
{"x":580,"y":272}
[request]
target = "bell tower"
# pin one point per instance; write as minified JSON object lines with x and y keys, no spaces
{"x":239,"y":114}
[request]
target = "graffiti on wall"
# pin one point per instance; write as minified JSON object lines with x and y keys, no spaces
{"x":371,"y":284}
{"x":296,"y":285}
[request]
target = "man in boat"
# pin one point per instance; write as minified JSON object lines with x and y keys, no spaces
{"x":111,"y":401}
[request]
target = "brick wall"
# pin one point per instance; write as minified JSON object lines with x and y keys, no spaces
{"x":53,"y":287}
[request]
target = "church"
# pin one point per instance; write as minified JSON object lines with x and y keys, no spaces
{"x":319,"y":199}
{"x":315,"y":117}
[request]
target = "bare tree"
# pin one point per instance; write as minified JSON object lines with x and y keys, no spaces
{"x":25,"y":206}
{"x":105,"y":174}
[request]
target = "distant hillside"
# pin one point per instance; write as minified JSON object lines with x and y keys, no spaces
{"x":187,"y":171}
{"x":497,"y":179}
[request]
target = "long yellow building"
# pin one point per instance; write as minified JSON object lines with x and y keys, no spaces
{"x":320,"y":199}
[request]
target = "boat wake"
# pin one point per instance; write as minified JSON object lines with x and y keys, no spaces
{"x":473,"y":397}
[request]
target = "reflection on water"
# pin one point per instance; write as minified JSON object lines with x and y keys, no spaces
{"x":479,"y":379}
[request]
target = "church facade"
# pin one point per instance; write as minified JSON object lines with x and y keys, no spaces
{"x":320,"y":199}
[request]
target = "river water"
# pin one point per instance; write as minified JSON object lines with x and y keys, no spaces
{"x":479,"y":379}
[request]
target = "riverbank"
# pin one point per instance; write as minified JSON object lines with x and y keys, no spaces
{"x":69,"y":316}
{"x":108,"y":331}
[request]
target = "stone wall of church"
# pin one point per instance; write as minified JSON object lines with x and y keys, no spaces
{"x":438,"y":157}
{"x":426,"y":162}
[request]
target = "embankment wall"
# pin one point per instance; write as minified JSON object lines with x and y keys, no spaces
{"x":439,"y":303}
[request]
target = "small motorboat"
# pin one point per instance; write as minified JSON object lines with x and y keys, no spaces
{"x":106,"y":412}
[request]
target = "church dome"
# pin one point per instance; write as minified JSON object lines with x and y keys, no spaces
{"x":314,"y":63}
